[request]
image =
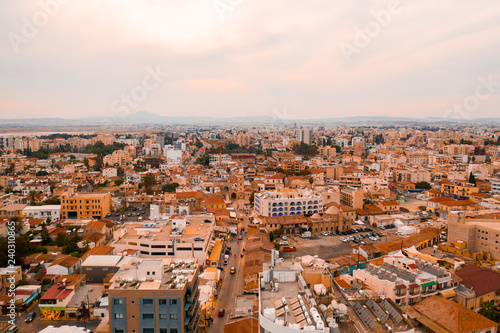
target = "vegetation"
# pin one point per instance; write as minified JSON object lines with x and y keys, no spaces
{"x":423,"y":186}
{"x":490,"y":311}
{"x":305,"y":149}
{"x":169,"y":187}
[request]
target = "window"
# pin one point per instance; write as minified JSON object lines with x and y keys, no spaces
{"x":117,"y":301}
{"x":119,"y":330}
{"x":173,"y":316}
{"x":173,"y":301}
{"x":118,"y":315}
{"x":147,"y":301}
{"x":148,"y":330}
{"x":162,"y":316}
{"x":163,"y":330}
{"x":173,"y":330}
{"x":148,"y":316}
{"x":162,"y":301}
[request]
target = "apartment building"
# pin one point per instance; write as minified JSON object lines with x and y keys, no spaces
{"x":352,"y":179}
{"x":351,"y":197}
{"x":479,"y":234}
{"x":286,"y":304}
{"x":155,"y":296}
{"x":293,"y":165}
{"x":405,"y":281}
{"x":117,"y":158}
{"x":327,"y":152}
{"x":287,"y":202}
{"x":43,"y":212}
{"x":495,"y":186}
{"x":459,"y":189}
{"x":85,"y":206}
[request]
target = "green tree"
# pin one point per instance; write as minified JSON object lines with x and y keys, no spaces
{"x":118,"y":182}
{"x":203,"y":160}
{"x":423,"y":186}
{"x":62,"y":239}
{"x":71,"y":248}
{"x":32,"y":196}
{"x":472,"y":178}
{"x":490,"y":311}
{"x":271,"y":236}
{"x":311,"y":180}
{"x":169,"y":187}
{"x":22,"y":244}
{"x":148,"y":182}
{"x":45,"y":235}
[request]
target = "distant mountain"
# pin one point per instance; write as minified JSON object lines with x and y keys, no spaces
{"x":144,"y":117}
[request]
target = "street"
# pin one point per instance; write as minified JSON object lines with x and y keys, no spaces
{"x":232,"y":285}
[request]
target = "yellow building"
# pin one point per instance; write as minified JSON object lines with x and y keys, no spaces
{"x":459,"y":189}
{"x":85,"y":206}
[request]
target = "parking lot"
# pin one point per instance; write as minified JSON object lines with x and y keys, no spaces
{"x":326,"y":247}
{"x":130,"y":215}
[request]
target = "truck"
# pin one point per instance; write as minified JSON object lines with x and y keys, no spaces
{"x":306,"y":234}
{"x":289,"y":248}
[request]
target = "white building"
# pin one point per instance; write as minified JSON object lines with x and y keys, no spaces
{"x":109,"y":172}
{"x":173,"y":156}
{"x":287,"y":202}
{"x":304,"y":135}
{"x":43,"y":212}
{"x":219,"y":159}
{"x":358,"y":139}
{"x":341,"y":142}
{"x":495,"y":186}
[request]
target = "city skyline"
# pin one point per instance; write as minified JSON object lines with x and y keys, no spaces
{"x":73,"y":59}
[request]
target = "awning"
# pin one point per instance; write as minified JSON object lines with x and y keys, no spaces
{"x":448,"y":293}
{"x":428,"y":284}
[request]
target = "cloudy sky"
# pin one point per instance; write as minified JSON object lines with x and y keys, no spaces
{"x":223,"y":58}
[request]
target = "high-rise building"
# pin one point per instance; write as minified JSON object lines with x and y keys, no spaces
{"x":155,"y":296}
{"x":304,"y":135}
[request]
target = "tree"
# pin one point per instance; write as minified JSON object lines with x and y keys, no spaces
{"x":490,"y":311}
{"x":62,"y":239}
{"x":148,"y":182}
{"x":271,"y":236}
{"x":472,"y":178}
{"x":311,"y":180}
{"x":423,"y":185}
{"x":203,"y":160}
{"x":71,"y":248}
{"x":118,"y":182}
{"x":252,"y":198}
{"x":170,"y":187}
{"x":32,"y":196}
{"x":22,"y":246}
{"x":45,"y":235}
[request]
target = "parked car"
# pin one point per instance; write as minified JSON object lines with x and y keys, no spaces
{"x":284,"y":238}
{"x":284,"y":243}
{"x":324,"y":233}
{"x":221,"y":312}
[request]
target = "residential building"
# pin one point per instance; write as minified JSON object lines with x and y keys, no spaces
{"x":85,"y":206}
{"x":351,"y":197}
{"x":43,"y":212}
{"x":287,"y":202}
{"x":154,"y":295}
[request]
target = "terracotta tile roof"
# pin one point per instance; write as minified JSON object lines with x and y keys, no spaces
{"x":481,"y":280}
{"x":452,"y":316}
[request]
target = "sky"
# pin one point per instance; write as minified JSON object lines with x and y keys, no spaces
{"x":296,"y":59}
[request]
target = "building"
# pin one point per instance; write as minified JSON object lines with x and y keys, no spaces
{"x":85,"y":206}
{"x":495,"y":186}
{"x":476,"y":234}
{"x":286,"y":303}
{"x":459,"y":190}
{"x":293,"y":165}
{"x":186,"y":238}
{"x":327,"y":152}
{"x":43,"y":212}
{"x":438,"y":314}
{"x":8,"y":276}
{"x":304,"y":135}
{"x":154,"y":295}
{"x":478,"y":284}
{"x":56,"y":302}
{"x":12,"y":210}
{"x":97,"y":267}
{"x":351,"y":197}
{"x":405,"y":281}
{"x":287,"y":202}
{"x":216,"y":160}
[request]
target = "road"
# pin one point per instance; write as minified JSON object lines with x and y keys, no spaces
{"x":232,"y":285}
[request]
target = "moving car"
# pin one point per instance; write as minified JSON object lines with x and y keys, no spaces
{"x":30,"y":317}
{"x":232,"y":270}
{"x":221,"y":312}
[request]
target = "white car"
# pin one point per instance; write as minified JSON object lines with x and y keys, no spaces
{"x":284,"y":238}
{"x":284,"y":243}
{"x":324,"y":233}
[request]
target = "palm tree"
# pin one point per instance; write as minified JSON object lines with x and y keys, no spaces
{"x":32,"y":196}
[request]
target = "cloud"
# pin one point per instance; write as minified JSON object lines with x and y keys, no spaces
{"x":262,"y":55}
